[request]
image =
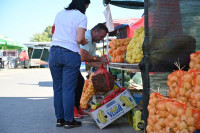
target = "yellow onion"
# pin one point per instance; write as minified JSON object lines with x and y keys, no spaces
{"x":184,"y":131}
{"x":191,"y":129}
{"x":175,"y":129}
{"x":174,"y":85}
{"x":192,"y":95}
{"x":182,"y":91}
{"x":177,"y":120}
{"x":172,"y":124}
{"x":198,"y":79}
{"x":180,"y":112}
{"x":153,"y":102}
{"x":150,"y":122}
{"x":191,"y":121}
{"x":187,"y":85}
{"x":172,"y":93}
{"x":183,"y":99}
{"x":187,"y":77}
{"x":153,"y":118}
{"x":152,"y":111}
{"x":188,"y":93}
{"x":183,"y":118}
{"x":161,"y":106}
{"x":182,"y":125}
{"x":197,"y":89}
{"x":162,"y":114}
{"x":194,"y":103}
{"x":174,"y":78}
{"x":170,"y":117}
{"x":158,"y":127}
{"x":161,"y":122}
{"x":153,"y":95}
{"x":198,"y":105}
{"x":189,"y":112}
{"x":173,"y":109}
{"x":149,"y":128}
{"x":197,"y":96}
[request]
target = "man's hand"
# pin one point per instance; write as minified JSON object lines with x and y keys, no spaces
{"x":104,"y":60}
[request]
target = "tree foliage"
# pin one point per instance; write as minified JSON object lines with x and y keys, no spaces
{"x":45,"y":36}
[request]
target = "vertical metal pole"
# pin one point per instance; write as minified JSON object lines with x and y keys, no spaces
{"x":122,"y":80}
{"x":107,"y":44}
{"x":145,"y":73}
{"x":107,"y":49}
{"x":103,"y":47}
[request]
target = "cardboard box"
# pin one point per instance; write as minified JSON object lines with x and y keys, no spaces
{"x":134,"y":118}
{"x":114,"y":109}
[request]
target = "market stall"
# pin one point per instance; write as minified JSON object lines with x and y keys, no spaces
{"x":164,"y":50}
{"x":171,"y":39}
{"x":115,"y":100}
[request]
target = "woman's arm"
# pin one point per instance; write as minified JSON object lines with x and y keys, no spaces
{"x":81,"y":36}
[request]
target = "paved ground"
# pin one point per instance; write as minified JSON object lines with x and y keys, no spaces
{"x":26,"y":105}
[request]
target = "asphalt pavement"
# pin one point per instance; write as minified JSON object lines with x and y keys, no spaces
{"x":26,"y":106}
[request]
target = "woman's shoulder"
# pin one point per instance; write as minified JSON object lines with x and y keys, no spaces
{"x":73,"y":11}
{"x":79,"y":13}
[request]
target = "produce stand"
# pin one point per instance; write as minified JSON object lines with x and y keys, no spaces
{"x":171,"y":36}
{"x":140,"y":4}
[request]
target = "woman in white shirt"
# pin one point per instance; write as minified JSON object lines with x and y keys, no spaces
{"x":65,"y":59}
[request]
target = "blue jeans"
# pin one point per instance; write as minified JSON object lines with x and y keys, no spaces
{"x":64,"y":66}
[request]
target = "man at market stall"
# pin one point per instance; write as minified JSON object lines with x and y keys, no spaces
{"x":93,"y":36}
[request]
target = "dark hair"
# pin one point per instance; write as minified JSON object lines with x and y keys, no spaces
{"x":79,"y":5}
{"x":100,"y":26}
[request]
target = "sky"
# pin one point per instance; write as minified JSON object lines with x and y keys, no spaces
{"x":20,"y":19}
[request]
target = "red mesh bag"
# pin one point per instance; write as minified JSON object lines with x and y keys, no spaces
{"x":102,"y":80}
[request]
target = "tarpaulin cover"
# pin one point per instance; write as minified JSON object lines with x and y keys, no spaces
{"x":132,"y":27}
{"x":132,"y":4}
{"x":174,"y":33}
{"x":120,"y":23}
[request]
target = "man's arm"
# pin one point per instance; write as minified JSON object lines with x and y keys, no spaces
{"x":95,"y":64}
{"x":86,"y":57}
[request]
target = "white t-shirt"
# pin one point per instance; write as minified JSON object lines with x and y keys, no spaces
{"x":67,"y":23}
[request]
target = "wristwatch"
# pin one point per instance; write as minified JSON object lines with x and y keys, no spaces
{"x":95,"y":58}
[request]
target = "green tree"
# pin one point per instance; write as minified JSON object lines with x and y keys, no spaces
{"x":45,"y":36}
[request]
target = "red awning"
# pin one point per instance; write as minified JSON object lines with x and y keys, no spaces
{"x":131,"y":23}
{"x":120,"y":23}
{"x":132,"y":27}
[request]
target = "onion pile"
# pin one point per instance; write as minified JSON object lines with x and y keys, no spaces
{"x":195,"y":61}
{"x":185,"y":86}
{"x":174,"y":82}
{"x":87,"y":93}
{"x":167,"y":115}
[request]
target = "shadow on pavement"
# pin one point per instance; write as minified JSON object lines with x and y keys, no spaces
{"x":41,"y":84}
{"x":45,"y":84}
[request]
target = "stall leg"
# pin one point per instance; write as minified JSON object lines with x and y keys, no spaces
{"x":122,"y":81}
